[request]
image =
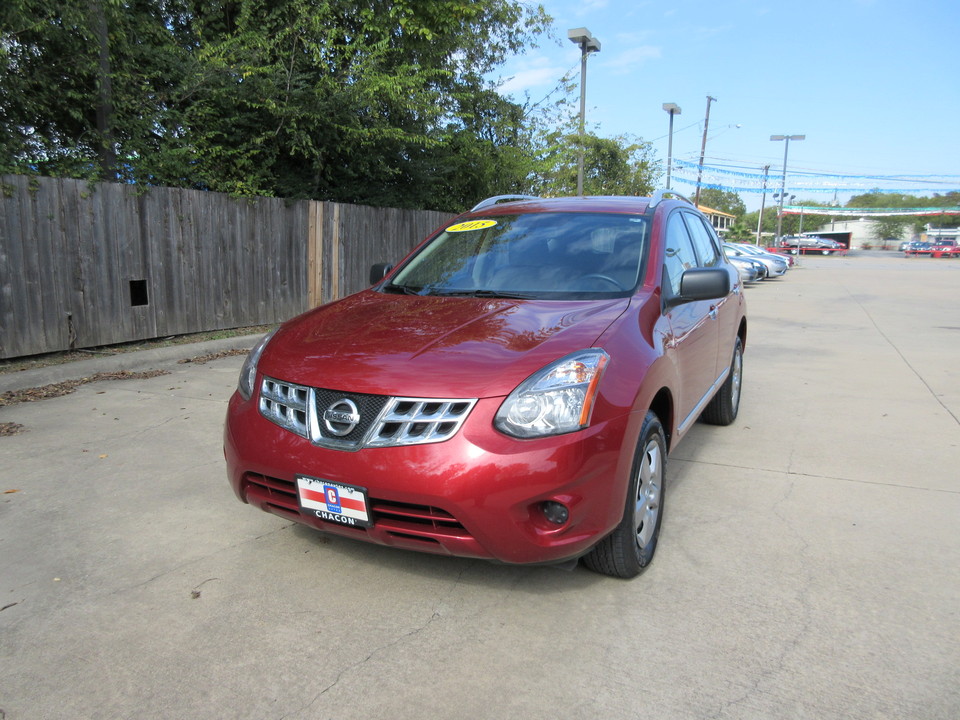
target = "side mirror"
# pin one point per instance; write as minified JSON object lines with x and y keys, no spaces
{"x":701,"y":284}
{"x":379,"y":271}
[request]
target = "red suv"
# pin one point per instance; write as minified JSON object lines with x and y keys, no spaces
{"x":510,"y":391}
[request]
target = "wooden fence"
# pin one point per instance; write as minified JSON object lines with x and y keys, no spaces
{"x":91,"y":264}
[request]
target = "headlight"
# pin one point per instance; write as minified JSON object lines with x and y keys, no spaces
{"x":557,"y":399}
{"x":248,"y":373}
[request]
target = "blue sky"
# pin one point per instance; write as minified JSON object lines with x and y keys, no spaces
{"x":873,"y":84}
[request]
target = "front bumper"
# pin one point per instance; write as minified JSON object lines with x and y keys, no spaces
{"x":478,"y":494}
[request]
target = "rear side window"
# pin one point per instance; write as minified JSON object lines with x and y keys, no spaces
{"x":703,"y":240}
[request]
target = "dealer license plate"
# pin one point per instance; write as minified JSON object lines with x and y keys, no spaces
{"x":333,"y":502}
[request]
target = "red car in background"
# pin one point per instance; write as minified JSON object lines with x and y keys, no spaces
{"x":939,"y":249}
{"x":510,"y":391}
{"x":945,"y":248}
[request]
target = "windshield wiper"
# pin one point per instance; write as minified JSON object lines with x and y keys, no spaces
{"x":440,"y":292}
{"x":407,"y":289}
{"x":487,"y":294}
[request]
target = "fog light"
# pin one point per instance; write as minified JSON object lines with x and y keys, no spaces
{"x":555,"y":512}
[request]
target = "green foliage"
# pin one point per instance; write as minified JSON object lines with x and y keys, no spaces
{"x":897,"y":225}
{"x":739,"y":231}
{"x":722,"y":200}
{"x":369,"y":101}
{"x":621,"y":165}
{"x":883,"y":228}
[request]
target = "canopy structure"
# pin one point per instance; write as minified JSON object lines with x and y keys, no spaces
{"x":867,"y":212}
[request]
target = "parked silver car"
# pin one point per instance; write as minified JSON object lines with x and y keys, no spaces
{"x":750,"y":270}
{"x":776,"y":266}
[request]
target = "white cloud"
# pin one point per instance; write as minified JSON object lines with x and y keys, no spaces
{"x":633,"y":58}
{"x":531,"y":78}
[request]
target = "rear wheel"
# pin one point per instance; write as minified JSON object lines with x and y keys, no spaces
{"x":628,"y":550}
{"x":723,"y":408}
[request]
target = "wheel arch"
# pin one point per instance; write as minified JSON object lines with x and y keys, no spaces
{"x":662,"y":407}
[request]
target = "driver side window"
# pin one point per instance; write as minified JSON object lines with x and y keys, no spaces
{"x":679,"y":254}
{"x":703,"y":241}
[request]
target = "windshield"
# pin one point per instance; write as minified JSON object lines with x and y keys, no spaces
{"x":536,"y":255}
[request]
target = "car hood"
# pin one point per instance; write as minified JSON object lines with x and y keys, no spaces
{"x":443,"y":347}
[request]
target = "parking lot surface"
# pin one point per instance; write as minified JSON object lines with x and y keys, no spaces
{"x":808,"y":565}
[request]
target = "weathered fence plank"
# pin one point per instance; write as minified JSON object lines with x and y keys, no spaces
{"x":90,"y":264}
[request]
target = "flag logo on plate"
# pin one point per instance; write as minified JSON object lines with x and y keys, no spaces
{"x":342,"y":504}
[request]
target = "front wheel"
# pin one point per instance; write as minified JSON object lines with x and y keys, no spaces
{"x":723,"y":408}
{"x":824,"y":252}
{"x":628,"y":550}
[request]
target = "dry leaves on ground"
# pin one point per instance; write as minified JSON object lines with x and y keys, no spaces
{"x":14,"y":397}
{"x":201,"y":359}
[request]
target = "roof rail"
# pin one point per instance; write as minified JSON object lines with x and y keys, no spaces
{"x":497,"y":199}
{"x":660,"y":195}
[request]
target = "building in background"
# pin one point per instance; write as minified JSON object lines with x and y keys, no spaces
{"x":721,"y":221}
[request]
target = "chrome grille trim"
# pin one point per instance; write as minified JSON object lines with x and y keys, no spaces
{"x":418,"y":421}
{"x":401,"y":421}
{"x":286,"y":404}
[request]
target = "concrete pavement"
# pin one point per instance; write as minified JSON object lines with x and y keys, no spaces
{"x":150,"y":359}
{"x":807,"y":568}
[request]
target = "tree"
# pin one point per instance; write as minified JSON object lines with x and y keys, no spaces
{"x":884,"y":228}
{"x":611,"y":166}
{"x":84,"y":85}
{"x":371,"y":101}
{"x":722,"y":200}
{"x":738,"y":231}
{"x":878,"y":199}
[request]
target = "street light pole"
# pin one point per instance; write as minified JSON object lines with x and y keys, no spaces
{"x":588,"y":44}
{"x":783,"y":182}
{"x":703,"y":149}
{"x":672,"y":109}
{"x":763,"y":201}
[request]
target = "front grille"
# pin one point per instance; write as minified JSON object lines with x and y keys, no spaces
{"x":368,"y":407}
{"x":423,"y":522}
{"x":412,"y":421}
{"x":285,"y":404}
{"x":425,"y":516}
{"x":351,"y":421}
{"x":276,"y":492}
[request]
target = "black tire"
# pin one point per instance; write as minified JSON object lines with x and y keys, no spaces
{"x":629,"y":549}
{"x":723,"y":408}
{"x":824,"y":252}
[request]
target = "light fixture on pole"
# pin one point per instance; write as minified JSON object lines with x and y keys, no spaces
{"x":588,"y":44}
{"x":783,"y":182}
{"x":673,"y":109}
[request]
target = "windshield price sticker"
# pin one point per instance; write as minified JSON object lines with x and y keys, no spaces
{"x":333,"y":502}
{"x":471,"y":225}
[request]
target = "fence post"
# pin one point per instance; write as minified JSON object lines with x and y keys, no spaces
{"x":335,"y":254}
{"x":315,"y":254}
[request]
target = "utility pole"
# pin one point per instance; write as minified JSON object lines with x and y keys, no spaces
{"x":703,"y":149}
{"x":763,"y":200}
